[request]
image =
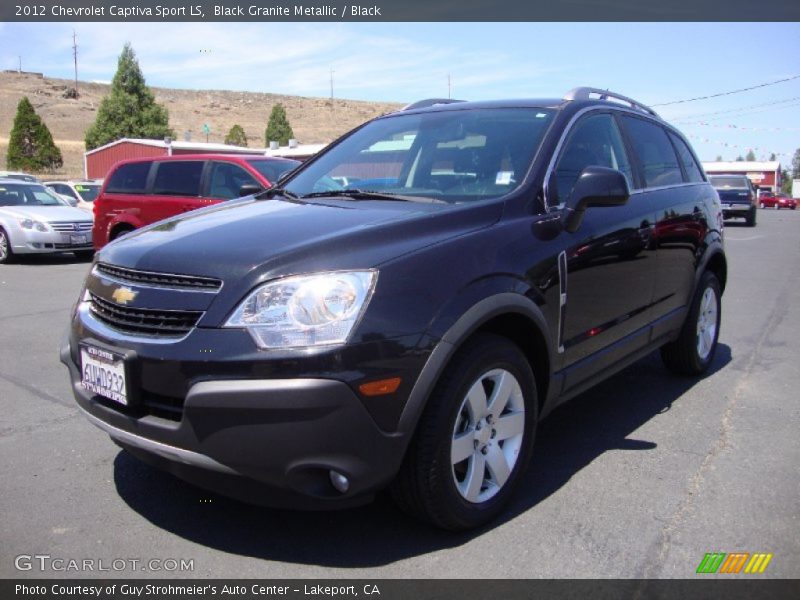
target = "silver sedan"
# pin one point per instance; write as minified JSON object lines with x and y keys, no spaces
{"x":34,"y":221}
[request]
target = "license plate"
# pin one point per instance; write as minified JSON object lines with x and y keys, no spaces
{"x":77,"y":240}
{"x":103,"y":373}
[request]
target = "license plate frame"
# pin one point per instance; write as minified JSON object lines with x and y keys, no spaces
{"x":110,"y":370}
{"x":78,"y":240}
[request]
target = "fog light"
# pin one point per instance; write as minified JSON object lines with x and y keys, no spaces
{"x":340,"y":482}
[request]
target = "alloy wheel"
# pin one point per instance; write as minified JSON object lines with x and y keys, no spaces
{"x":707,"y":323}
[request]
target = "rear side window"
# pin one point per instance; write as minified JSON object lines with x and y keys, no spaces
{"x":130,"y":178}
{"x":656,"y":155}
{"x":693,"y":172}
{"x":178,"y":178}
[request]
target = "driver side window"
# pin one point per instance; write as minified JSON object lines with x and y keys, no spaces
{"x":595,"y":140}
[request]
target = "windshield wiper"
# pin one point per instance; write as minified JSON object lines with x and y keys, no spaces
{"x":357,"y":194}
{"x":275,"y":191}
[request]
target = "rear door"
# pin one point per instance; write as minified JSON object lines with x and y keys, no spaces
{"x":674,"y":185}
{"x":175,"y":189}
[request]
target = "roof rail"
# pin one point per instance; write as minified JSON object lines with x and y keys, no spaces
{"x":583,"y":93}
{"x":429,"y":102}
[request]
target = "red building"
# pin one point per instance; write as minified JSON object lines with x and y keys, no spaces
{"x":98,"y":162}
{"x":765,"y":175}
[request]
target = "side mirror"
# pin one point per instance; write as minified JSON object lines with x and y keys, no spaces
{"x":250,"y":188}
{"x":596,"y":186}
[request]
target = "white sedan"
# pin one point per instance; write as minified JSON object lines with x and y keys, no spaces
{"x":34,"y":221}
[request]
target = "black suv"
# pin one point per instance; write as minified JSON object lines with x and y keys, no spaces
{"x":404,"y":308}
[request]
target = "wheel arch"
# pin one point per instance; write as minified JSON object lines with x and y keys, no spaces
{"x":511,"y":315}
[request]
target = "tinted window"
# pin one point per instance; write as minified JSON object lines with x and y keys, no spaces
{"x":178,"y":178}
{"x":737,"y":182}
{"x":227,"y":179}
{"x":273,"y":169}
{"x":450,"y":156}
{"x":594,"y":141}
{"x":87,"y":191}
{"x":655,"y":153}
{"x":130,"y":178}
{"x":687,"y":159}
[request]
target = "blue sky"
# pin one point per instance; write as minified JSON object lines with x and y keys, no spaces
{"x":654,"y":63}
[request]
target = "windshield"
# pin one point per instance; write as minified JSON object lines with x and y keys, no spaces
{"x":273,"y":169}
{"x":87,"y":191}
{"x":27,"y":195}
{"x":450,"y":156}
{"x":732,"y":182}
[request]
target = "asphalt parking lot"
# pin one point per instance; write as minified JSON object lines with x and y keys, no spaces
{"x":640,"y":477}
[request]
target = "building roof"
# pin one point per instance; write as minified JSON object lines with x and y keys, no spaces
{"x":182,"y":145}
{"x":741,"y":166}
{"x":290,"y":152}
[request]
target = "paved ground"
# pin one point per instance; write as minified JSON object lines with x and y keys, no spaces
{"x":639,"y":477}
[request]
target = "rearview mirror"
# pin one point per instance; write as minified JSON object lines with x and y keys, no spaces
{"x":596,"y":186}
{"x":249,"y":188}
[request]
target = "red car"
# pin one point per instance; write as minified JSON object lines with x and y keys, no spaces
{"x":779,"y":201}
{"x":144,"y":190}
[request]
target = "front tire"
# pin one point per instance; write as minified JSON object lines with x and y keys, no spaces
{"x":6,"y":254}
{"x":751,"y":218}
{"x":474,"y":438}
{"x":693,"y":351}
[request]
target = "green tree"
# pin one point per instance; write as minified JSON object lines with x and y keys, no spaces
{"x":786,"y":182}
{"x":130,"y":110}
{"x":751,"y":156}
{"x":278,"y":128}
{"x":236,"y":136}
{"x":739,"y":158}
{"x":31,"y":146}
{"x":773,"y":157}
{"x":719,"y":158}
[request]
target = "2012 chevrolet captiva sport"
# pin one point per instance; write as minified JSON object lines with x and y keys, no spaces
{"x":403,"y":309}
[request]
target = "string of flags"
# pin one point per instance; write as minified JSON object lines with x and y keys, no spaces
{"x":740,"y":128}
{"x":745,"y":148}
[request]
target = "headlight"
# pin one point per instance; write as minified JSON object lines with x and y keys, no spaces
{"x":305,"y":311}
{"x":31,"y":224}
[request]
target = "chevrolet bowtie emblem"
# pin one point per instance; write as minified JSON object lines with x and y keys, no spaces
{"x":123,"y":295}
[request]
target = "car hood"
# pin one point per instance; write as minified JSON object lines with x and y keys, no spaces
{"x":46,"y":213}
{"x":247,"y":241}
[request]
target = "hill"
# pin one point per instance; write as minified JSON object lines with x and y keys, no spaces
{"x":313,"y":120}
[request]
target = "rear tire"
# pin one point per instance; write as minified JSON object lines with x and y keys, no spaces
{"x":751,"y":217}
{"x":474,"y":438}
{"x":694,"y":350}
{"x":6,"y":253}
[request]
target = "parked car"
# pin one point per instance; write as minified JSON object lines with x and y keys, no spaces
{"x":141,"y":191}
{"x":82,"y":193}
{"x":737,"y":196}
{"x":34,"y":221}
{"x":777,"y":201}
{"x":20,"y":176}
{"x":315,"y":343}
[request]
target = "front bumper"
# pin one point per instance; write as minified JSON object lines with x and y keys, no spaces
{"x":39,"y":242}
{"x":272,"y":442}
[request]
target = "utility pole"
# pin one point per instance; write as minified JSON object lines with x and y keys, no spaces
{"x":75,"y":58}
{"x":20,"y":63}
{"x":448,"y":87}
{"x":332,"y":72}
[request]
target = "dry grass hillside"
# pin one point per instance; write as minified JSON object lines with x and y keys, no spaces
{"x":313,"y":120}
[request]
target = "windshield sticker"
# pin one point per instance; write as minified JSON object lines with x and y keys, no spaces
{"x":503,"y":177}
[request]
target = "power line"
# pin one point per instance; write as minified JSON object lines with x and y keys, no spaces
{"x":735,"y":110}
{"x":747,"y":89}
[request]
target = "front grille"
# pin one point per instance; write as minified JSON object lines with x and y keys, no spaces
{"x":159,"y":279}
{"x":145,"y":321}
{"x":71,"y":226}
